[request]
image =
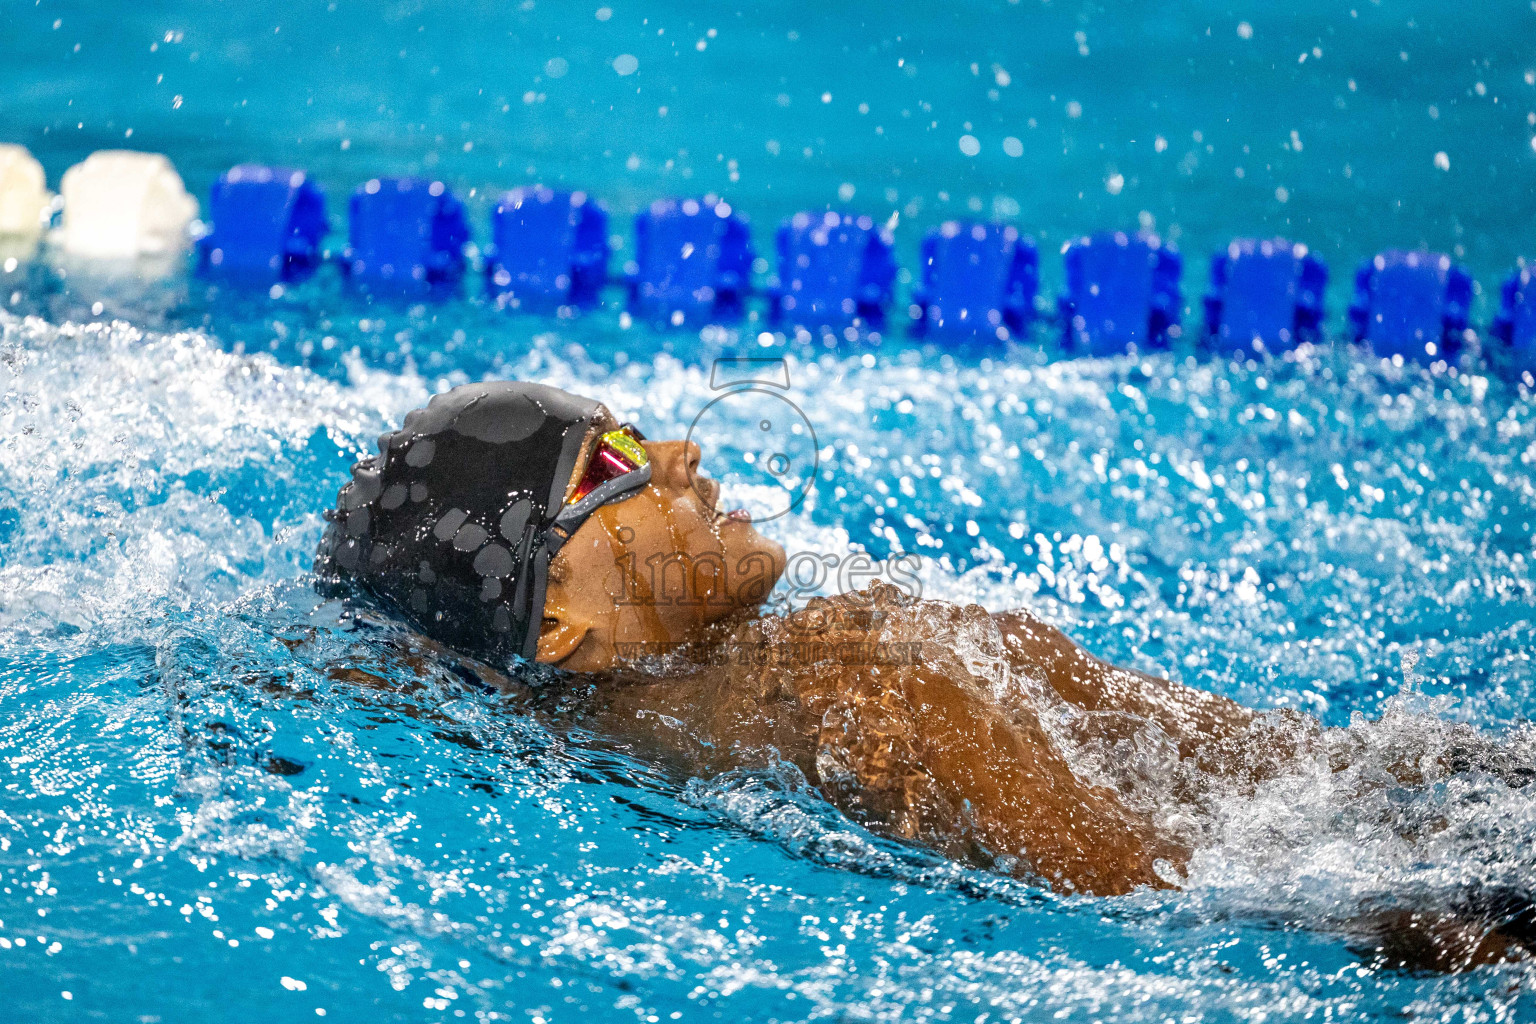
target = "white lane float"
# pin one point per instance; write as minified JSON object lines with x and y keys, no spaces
{"x":120,"y":204}
{"x":25,"y":202}
{"x":26,"y":205}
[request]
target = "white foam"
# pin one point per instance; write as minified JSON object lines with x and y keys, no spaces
{"x":121,"y":443}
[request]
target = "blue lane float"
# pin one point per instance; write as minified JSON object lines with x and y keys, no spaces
{"x":693,"y":265}
{"x":406,"y":236}
{"x":1412,"y":304}
{"x":1515,"y":323}
{"x":693,"y":262}
{"x":835,"y":270}
{"x":1266,"y":296}
{"x":977,"y":280}
{"x":267,"y":225}
{"x":1122,"y":293}
{"x":548,"y":250}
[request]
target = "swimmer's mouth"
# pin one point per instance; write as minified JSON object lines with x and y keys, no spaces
{"x":709,"y":492}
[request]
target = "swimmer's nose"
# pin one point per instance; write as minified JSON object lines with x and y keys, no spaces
{"x":674,"y":464}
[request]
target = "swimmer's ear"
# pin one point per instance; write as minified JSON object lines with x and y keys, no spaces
{"x":559,"y":637}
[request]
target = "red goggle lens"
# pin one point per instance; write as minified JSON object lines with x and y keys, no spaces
{"x":612,"y":458}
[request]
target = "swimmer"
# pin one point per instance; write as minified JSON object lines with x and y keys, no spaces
{"x":510,"y":521}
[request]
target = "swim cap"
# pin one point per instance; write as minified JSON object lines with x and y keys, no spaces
{"x":453,"y":524}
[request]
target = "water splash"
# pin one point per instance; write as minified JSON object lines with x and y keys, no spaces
{"x":180,"y":710}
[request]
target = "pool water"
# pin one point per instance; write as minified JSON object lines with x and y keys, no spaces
{"x":204,"y":818}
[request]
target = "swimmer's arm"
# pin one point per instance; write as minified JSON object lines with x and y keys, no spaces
{"x":930,"y":760}
{"x":1189,"y":716}
{"x":912,"y":754}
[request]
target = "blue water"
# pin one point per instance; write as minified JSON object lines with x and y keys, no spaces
{"x":207,"y":815}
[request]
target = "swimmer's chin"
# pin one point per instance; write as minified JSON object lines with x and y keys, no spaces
{"x":777,"y":557}
{"x":756,"y":543}
{"x":768,"y":544}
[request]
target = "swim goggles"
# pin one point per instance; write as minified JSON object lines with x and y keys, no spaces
{"x":618,"y":468}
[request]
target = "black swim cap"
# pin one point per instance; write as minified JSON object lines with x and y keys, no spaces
{"x":453,"y":524}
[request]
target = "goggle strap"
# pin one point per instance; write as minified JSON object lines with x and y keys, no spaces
{"x":573,"y":515}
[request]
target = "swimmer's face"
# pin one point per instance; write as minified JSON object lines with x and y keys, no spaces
{"x":653,"y":569}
